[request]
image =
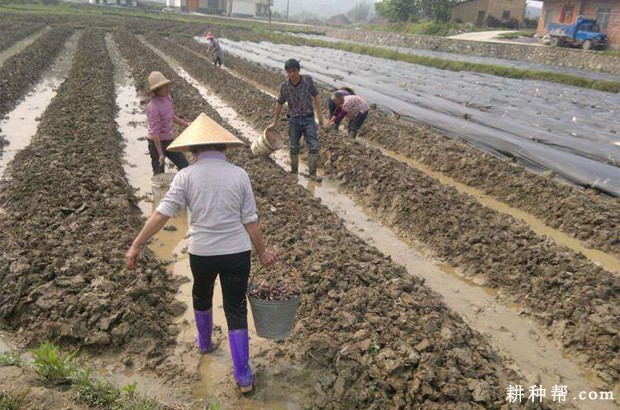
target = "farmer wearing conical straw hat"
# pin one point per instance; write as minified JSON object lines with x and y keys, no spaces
{"x":223,"y":227}
{"x":160,"y":117}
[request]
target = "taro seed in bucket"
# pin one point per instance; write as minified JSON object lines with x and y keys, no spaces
{"x":160,"y":184}
{"x":274,"y":306}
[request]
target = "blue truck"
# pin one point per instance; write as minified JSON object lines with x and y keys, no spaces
{"x":582,"y":33}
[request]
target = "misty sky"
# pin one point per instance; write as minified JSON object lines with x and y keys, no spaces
{"x":327,"y":8}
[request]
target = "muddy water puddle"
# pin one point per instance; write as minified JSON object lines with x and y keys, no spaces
{"x":20,"y":125}
{"x":216,"y":383}
{"x":19,"y":46}
{"x":515,"y":337}
{"x":606,"y":260}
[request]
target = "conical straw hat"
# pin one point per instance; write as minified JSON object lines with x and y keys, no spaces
{"x":203,"y":130}
{"x":157,"y":80}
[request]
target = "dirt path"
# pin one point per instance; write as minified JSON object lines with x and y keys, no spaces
{"x":482,"y":35}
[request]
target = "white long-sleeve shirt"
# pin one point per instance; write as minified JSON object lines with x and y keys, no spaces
{"x":220,"y":199}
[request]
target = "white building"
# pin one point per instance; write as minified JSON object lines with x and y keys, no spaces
{"x":127,"y":3}
{"x":235,"y":8}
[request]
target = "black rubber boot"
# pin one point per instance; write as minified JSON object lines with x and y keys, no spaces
{"x":313,"y":160}
{"x":294,"y":163}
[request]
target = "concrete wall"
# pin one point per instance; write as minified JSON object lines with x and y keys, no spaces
{"x":561,"y":57}
{"x":515,"y":7}
{"x":468,"y":12}
{"x":588,"y":8}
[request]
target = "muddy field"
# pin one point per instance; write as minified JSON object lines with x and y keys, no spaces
{"x":23,"y":70}
{"x":11,"y":33}
{"x":508,"y":255}
{"x":369,"y":334}
{"x":544,"y":126}
{"x":585,"y":215}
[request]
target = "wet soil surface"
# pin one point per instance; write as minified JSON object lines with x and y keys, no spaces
{"x":10,"y":33}
{"x":20,"y":72}
{"x":584,"y":215}
{"x":480,"y":60}
{"x":68,"y":215}
{"x":371,"y":335}
{"x":34,"y":394}
{"x":516,"y":338}
{"x":20,"y":124}
{"x":544,"y":126}
{"x":576,"y":301}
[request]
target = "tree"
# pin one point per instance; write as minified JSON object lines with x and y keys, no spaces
{"x":359,"y":12}
{"x":415,"y":10}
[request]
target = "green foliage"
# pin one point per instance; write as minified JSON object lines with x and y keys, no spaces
{"x":216,"y":405}
{"x":53,"y":365}
{"x":359,"y":12}
{"x":526,"y":33}
{"x":105,"y":394}
{"x":415,"y":10}
{"x":12,"y":399}
{"x":11,"y":358}
{"x":428,"y":28}
{"x":398,"y":11}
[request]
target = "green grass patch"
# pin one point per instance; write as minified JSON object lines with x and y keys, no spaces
{"x":428,"y":28}
{"x":612,"y":53}
{"x":105,"y":394}
{"x":12,"y":399}
{"x":56,"y":367}
{"x":11,"y":358}
{"x":52,"y":365}
{"x":525,"y":33}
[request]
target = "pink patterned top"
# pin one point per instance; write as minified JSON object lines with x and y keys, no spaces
{"x":160,"y":117}
{"x":353,"y":105}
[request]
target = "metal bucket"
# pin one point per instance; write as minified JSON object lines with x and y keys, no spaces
{"x":267,"y":143}
{"x":160,"y":184}
{"x":274,"y":319}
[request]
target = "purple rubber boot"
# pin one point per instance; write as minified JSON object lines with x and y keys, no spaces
{"x":240,"y":352}
{"x":204,"y":325}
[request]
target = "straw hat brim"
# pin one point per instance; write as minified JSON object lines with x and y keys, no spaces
{"x":204,"y":131}
{"x":157,"y":86}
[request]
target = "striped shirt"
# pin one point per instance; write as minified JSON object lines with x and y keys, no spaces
{"x":220,"y":199}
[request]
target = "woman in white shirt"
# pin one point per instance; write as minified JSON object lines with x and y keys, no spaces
{"x":223,"y":228}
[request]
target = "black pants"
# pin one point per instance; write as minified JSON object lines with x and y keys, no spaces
{"x":177,"y":158}
{"x":218,"y":61}
{"x":356,"y":123}
{"x":234,"y":271}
